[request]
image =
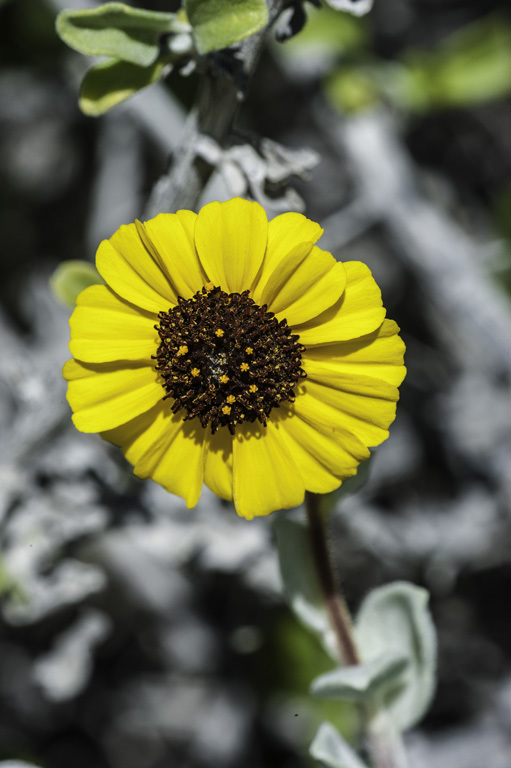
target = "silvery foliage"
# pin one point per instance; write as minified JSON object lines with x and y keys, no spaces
{"x":332,"y":751}
{"x":393,"y":629}
{"x":35,"y":526}
{"x":362,"y":681}
{"x":60,"y":553}
{"x":356,"y":7}
{"x":394,"y":620}
{"x":63,"y":672}
{"x":249,"y":170}
{"x":300,"y":580}
{"x":16,"y":764}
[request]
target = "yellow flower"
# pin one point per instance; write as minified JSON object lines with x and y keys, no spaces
{"x":307,"y":362}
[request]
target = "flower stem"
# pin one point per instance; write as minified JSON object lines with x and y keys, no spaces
{"x":335,"y":603}
{"x":383,"y":741}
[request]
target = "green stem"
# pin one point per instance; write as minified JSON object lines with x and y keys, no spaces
{"x":384,"y":742}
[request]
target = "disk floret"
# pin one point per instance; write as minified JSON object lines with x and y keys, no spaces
{"x":225,"y":360}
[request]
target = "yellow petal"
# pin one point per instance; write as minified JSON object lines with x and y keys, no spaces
{"x":324,"y":456}
{"x":265,"y":474}
{"x":303,"y":284}
{"x":132,"y":272}
{"x":315,"y":476}
{"x":231,"y":241}
{"x":172,"y":235}
{"x":166,"y":449}
{"x":285,"y":232}
{"x":319,"y":297}
{"x":356,"y":314}
{"x":362,"y":405}
{"x":178,"y":465}
{"x":218,"y":463}
{"x":106,"y":328}
{"x":103,"y":396}
{"x":380,"y":355}
{"x":276,"y":291}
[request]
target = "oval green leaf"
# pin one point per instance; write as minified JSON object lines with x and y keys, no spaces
{"x":116,"y":30}
{"x":111,"y":82}
{"x":71,"y":277}
{"x":217,"y":24}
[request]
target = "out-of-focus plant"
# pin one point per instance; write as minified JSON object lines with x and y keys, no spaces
{"x":71,"y":277}
{"x":469,"y":67}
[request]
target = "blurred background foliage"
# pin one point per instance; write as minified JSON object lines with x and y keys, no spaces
{"x":136,"y":633}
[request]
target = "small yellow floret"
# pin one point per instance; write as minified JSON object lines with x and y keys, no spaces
{"x":219,"y":332}
{"x":224,"y":378}
{"x":231,"y":399}
{"x":244,"y":366}
{"x":226,"y":410}
{"x":195,"y":372}
{"x":249,"y":350}
{"x":209,"y":286}
{"x":253,"y":388}
{"x":183,"y":349}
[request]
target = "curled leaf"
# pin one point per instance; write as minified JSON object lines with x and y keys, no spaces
{"x":361,"y":682}
{"x":110,"y":82}
{"x":395,"y":619}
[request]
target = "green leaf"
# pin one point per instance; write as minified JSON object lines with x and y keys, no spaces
{"x":361,"y":682}
{"x":395,"y":619}
{"x":469,"y":67}
{"x":219,"y":23}
{"x":71,"y":277}
{"x":326,"y":37}
{"x":353,"y":89}
{"x":301,"y":584}
{"x":111,"y":82}
{"x":116,"y":30}
{"x":329,"y":747}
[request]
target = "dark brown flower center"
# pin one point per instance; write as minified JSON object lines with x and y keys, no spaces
{"x":225,"y":359}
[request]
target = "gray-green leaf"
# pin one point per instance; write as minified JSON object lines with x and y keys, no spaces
{"x":219,"y":23}
{"x":70,"y":278}
{"x":361,"y":682}
{"x":396,"y":619}
{"x":301,"y":584}
{"x":329,"y":747}
{"x":110,"y":82}
{"x":116,"y":30}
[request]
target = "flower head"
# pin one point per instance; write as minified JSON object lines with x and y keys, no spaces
{"x":228,"y":350}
